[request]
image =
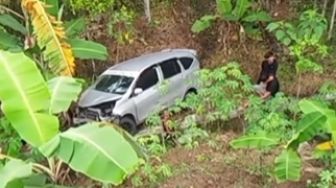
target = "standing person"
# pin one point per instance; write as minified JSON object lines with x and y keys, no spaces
{"x":268,"y":84}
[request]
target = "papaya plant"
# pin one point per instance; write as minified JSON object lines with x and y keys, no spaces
{"x":31,"y":104}
{"x":238,"y":12}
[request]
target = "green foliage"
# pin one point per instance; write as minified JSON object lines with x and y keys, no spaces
{"x":189,"y":137}
{"x":203,"y":23}
{"x":84,"y":49}
{"x":10,"y":141}
{"x":13,"y":171}
{"x":94,"y":7}
{"x":273,"y":116}
{"x":53,"y":6}
{"x":310,"y":106}
{"x":9,"y":42}
{"x":241,"y":13}
{"x":222,"y":91}
{"x":120,"y":25}
{"x":153,"y":145}
{"x":12,"y":23}
{"x":29,"y":105}
{"x":73,"y":146}
{"x":64,"y":90}
{"x":304,"y":40}
{"x":259,"y":140}
{"x":241,"y":8}
{"x":224,"y":7}
{"x":328,"y":87}
{"x":24,"y":85}
{"x":309,"y":126}
{"x":327,"y":179}
{"x":75,"y":27}
{"x":288,"y":166}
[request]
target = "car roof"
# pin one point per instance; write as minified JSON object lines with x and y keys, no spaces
{"x":142,"y":62}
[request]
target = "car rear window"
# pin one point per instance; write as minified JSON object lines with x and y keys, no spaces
{"x":186,"y":62}
{"x":170,"y":68}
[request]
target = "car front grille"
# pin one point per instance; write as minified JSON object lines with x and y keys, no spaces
{"x":90,"y":114}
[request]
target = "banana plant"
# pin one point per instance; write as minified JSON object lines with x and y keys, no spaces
{"x":59,"y":43}
{"x":31,"y":104}
{"x":239,"y":13}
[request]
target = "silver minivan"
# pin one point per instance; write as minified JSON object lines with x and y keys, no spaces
{"x":129,"y":92}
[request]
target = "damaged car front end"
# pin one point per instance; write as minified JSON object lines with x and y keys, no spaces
{"x":98,"y":102}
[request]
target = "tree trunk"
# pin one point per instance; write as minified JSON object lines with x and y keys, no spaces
{"x":332,"y":22}
{"x":147,"y":10}
{"x":325,"y":6}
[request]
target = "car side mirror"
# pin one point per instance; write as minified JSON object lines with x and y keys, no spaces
{"x":137,"y":91}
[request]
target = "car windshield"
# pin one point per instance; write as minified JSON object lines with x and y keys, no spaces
{"x":115,"y":84}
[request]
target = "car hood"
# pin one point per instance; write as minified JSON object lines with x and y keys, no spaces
{"x":93,"y":97}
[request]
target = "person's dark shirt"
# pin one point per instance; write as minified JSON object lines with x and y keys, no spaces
{"x":267,"y":70}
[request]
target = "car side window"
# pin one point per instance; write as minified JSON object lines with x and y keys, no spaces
{"x":170,"y":68}
{"x":147,"y":79}
{"x":186,"y":62}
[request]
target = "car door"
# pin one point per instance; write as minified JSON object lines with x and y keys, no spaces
{"x":148,"y":100}
{"x":173,"y":81}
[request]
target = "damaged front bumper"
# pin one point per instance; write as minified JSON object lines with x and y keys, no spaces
{"x":95,"y":115}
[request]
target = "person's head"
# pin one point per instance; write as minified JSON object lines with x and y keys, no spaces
{"x":270,"y":56}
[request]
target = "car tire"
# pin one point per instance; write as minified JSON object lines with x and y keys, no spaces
{"x":128,"y":124}
{"x":189,"y":92}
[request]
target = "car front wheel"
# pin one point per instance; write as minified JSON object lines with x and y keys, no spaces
{"x":129,"y":125}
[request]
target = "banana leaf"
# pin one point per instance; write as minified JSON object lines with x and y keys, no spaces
{"x":51,"y":36}
{"x":64,"y":90}
{"x":288,"y":166}
{"x":97,"y":150}
{"x":309,"y":126}
{"x":13,"y":171}
{"x":84,"y":49}
{"x":259,"y":140}
{"x":10,"y":22}
{"x":24,"y":96}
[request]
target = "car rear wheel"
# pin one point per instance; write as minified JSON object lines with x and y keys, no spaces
{"x":129,"y":125}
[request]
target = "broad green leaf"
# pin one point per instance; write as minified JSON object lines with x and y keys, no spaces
{"x":64,"y":90}
{"x":280,"y":35}
{"x":203,"y":23}
{"x":286,"y":41}
{"x":52,"y":6}
{"x":14,"y":170}
{"x":97,"y":150}
{"x":309,"y":106}
{"x":309,"y":126}
{"x":74,"y":27}
{"x":261,"y":16}
{"x":288,"y":166}
{"x":84,"y":49}
{"x":8,"y":41}
{"x":259,"y":140}
{"x":224,"y":7}
{"x":10,"y":22}
{"x":24,"y":96}
{"x":241,"y":8}
{"x":137,"y":148}
{"x":273,"y":26}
